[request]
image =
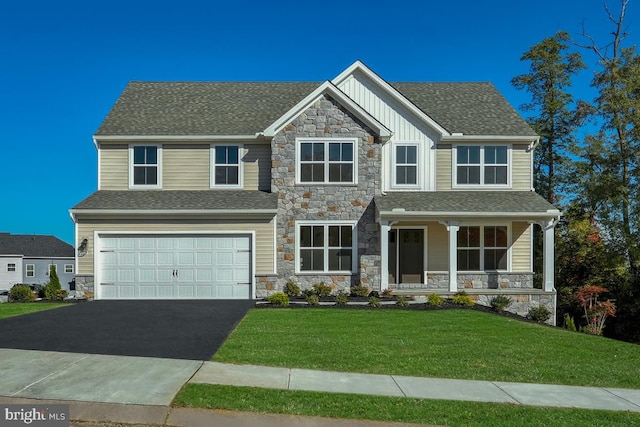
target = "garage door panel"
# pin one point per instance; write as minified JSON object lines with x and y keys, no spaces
{"x":166,"y":267}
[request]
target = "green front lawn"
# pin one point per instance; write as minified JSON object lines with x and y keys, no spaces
{"x":19,"y":308}
{"x":440,"y":412}
{"x":463,"y":344}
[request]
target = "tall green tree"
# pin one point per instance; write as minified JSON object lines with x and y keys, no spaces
{"x":555,"y":115}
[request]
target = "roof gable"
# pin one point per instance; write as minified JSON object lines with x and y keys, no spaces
{"x":37,"y":246}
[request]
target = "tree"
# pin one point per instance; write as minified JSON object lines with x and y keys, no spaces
{"x":556,"y":114}
{"x":53,"y":290}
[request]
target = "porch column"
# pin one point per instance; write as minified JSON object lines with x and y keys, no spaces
{"x":384,"y":255}
{"x":549,"y":256}
{"x":452,"y":228}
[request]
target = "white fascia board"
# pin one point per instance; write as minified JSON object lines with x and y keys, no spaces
{"x":529,"y":139}
{"x":403,"y":100}
{"x":401,"y":214}
{"x":173,"y":138}
{"x":162,"y":212}
{"x":328,"y":88}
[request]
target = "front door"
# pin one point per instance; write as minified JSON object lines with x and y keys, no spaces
{"x":406,"y":255}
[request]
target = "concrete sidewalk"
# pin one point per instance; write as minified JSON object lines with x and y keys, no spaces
{"x":614,"y":399}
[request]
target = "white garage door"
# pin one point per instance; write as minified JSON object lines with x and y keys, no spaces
{"x":174,"y":267}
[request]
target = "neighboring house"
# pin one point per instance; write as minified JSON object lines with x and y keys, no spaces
{"x":228,"y":190}
{"x":27,"y":259}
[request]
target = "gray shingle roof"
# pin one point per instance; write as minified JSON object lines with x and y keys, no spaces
{"x":179,"y":200}
{"x":465,"y":201}
{"x":245,"y":108}
{"x":468,"y":108}
{"x":33,"y":245}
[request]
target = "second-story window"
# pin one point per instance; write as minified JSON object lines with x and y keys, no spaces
{"x":481,"y":165}
{"x":145,"y":163}
{"x":326,"y":161}
{"x":226,"y":166}
{"x":405,"y":165}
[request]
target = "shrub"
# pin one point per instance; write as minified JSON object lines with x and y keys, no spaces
{"x":569,"y":323}
{"x":309,"y":291}
{"x":539,"y":314}
{"x":435,"y":299}
{"x":387,"y":293}
{"x":461,"y":298}
{"x":21,"y":293}
{"x":402,"y":301}
{"x":291,"y":288}
{"x":359,"y":291}
{"x":342,"y":298}
{"x":52,"y":290}
{"x":500,"y":302}
{"x":322,"y":290}
{"x":279,"y":298}
{"x":312,"y":299}
{"x":374,"y":302}
{"x":595,"y":311}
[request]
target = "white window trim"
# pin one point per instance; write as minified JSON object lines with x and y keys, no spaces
{"x":419,"y":166}
{"x":482,"y":247}
{"x":212,"y":162}
{"x":70,"y":268}
{"x":12,"y":267}
{"x":33,"y":270}
{"x":326,"y":224}
{"x":158,"y":185}
{"x":454,"y":167}
{"x":326,"y":141}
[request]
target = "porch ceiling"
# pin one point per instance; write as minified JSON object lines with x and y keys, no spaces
{"x":526,"y":205}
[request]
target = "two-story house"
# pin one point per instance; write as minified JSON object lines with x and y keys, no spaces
{"x":229,"y":190}
{"x":28,"y":259}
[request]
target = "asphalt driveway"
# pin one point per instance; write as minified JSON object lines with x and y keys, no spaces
{"x":183,"y":329}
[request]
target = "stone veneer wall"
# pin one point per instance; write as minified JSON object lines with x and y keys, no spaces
{"x":84,"y":286}
{"x":327,"y":119}
{"x":501,"y":280}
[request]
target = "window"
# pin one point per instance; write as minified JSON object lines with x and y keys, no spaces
{"x":226,"y":164}
{"x":481,"y":165}
{"x":31,"y":270}
{"x":482,"y":248}
{"x":145,"y":161}
{"x":326,"y":247}
{"x":326,"y":161}
{"x":68,"y":268}
{"x":11,"y":267}
{"x":406,"y":165}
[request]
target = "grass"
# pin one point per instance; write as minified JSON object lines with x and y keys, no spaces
{"x":20,"y":308}
{"x":462,"y":344}
{"x":440,"y":412}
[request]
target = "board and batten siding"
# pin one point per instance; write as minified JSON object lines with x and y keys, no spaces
{"x":114,"y":167}
{"x":405,"y":125}
{"x":264,"y":235}
{"x":520,"y":168}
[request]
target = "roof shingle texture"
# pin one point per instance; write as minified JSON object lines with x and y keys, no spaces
{"x":465,"y":201}
{"x":246,"y":108}
{"x":33,"y":245}
{"x":179,"y":200}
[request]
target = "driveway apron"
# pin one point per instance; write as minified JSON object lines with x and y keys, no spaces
{"x":184,"y":329}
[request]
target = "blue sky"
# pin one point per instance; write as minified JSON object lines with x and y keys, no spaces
{"x":63,"y":64}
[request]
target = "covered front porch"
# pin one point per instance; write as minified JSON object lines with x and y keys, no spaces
{"x":479,"y":242}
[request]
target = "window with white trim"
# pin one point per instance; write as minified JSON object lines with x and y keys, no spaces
{"x":483,"y":248}
{"x":325,"y":248}
{"x":405,"y":168}
{"x":145,"y":169}
{"x":481,"y":165}
{"x":68,"y":268}
{"x":30,"y":270}
{"x":226,"y":166}
{"x":11,"y":267}
{"x":326,"y":161}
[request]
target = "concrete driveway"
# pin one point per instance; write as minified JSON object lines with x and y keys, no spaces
{"x":184,"y":329}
